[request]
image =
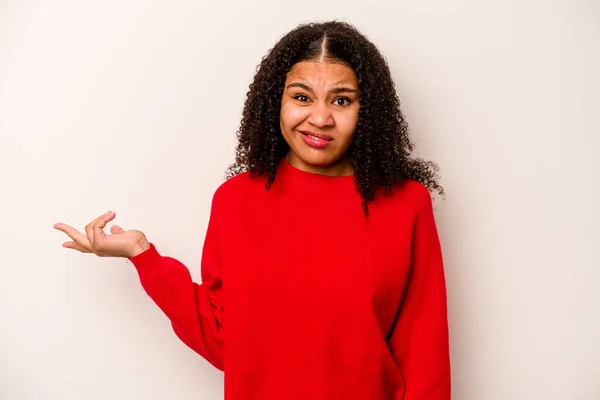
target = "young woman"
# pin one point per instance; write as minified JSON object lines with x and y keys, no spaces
{"x":322,"y":274}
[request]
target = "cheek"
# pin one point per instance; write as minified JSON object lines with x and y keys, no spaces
{"x":347,"y":123}
{"x":291,"y":116}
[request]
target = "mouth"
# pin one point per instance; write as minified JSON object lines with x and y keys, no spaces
{"x":317,"y":136}
{"x":315,"y":140}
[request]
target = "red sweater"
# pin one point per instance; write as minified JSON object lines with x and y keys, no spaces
{"x":305,"y":299}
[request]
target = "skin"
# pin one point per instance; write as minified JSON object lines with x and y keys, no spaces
{"x":320,"y":97}
{"x":120,"y":243}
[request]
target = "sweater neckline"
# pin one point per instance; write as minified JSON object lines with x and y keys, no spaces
{"x":314,"y":181}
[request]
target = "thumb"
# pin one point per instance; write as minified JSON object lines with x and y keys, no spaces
{"x":116,"y":229}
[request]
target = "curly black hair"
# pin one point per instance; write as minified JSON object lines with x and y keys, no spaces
{"x":381,"y":150}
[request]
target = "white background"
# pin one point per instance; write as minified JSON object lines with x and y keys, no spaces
{"x":133,"y":106}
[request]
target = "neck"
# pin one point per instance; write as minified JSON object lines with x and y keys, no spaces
{"x":342,"y":167}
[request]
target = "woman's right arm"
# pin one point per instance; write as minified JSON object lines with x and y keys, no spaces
{"x":195,"y":310}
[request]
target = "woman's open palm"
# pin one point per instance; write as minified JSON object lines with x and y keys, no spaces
{"x":120,"y":243}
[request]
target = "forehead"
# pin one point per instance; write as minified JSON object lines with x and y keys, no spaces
{"x":322,"y":72}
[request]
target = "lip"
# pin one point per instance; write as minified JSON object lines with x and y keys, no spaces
{"x":315,"y":140}
{"x":323,"y":137}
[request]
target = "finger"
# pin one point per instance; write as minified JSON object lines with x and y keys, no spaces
{"x":89,"y":228}
{"x":116,"y":229}
{"x":75,"y":246}
{"x":73,"y":233}
{"x":94,"y":229}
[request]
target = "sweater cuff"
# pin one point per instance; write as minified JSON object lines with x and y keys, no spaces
{"x":146,"y":259}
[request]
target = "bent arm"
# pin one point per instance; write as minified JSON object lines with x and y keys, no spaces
{"x":195,"y":310}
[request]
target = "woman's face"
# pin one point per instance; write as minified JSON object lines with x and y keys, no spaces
{"x":319,"y":113}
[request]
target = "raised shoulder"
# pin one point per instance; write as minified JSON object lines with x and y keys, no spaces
{"x":422,"y":200}
{"x":407,"y":200}
{"x":420,"y":193}
{"x":413,"y":191}
{"x":236,"y":188}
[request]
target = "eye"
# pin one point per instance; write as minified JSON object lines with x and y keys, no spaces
{"x":301,"y":98}
{"x":342,"y":101}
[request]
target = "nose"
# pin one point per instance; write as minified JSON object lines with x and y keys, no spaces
{"x":320,"y":115}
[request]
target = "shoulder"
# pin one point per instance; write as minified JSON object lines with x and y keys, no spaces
{"x":238,"y":187}
{"x":421,"y":200}
{"x":415,"y":190}
{"x":412,"y":192}
{"x":407,"y":200}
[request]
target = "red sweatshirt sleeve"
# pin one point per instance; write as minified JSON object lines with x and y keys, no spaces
{"x":195,"y":310}
{"x":419,"y":340}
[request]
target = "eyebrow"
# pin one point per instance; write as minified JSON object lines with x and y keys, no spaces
{"x":334,"y":90}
